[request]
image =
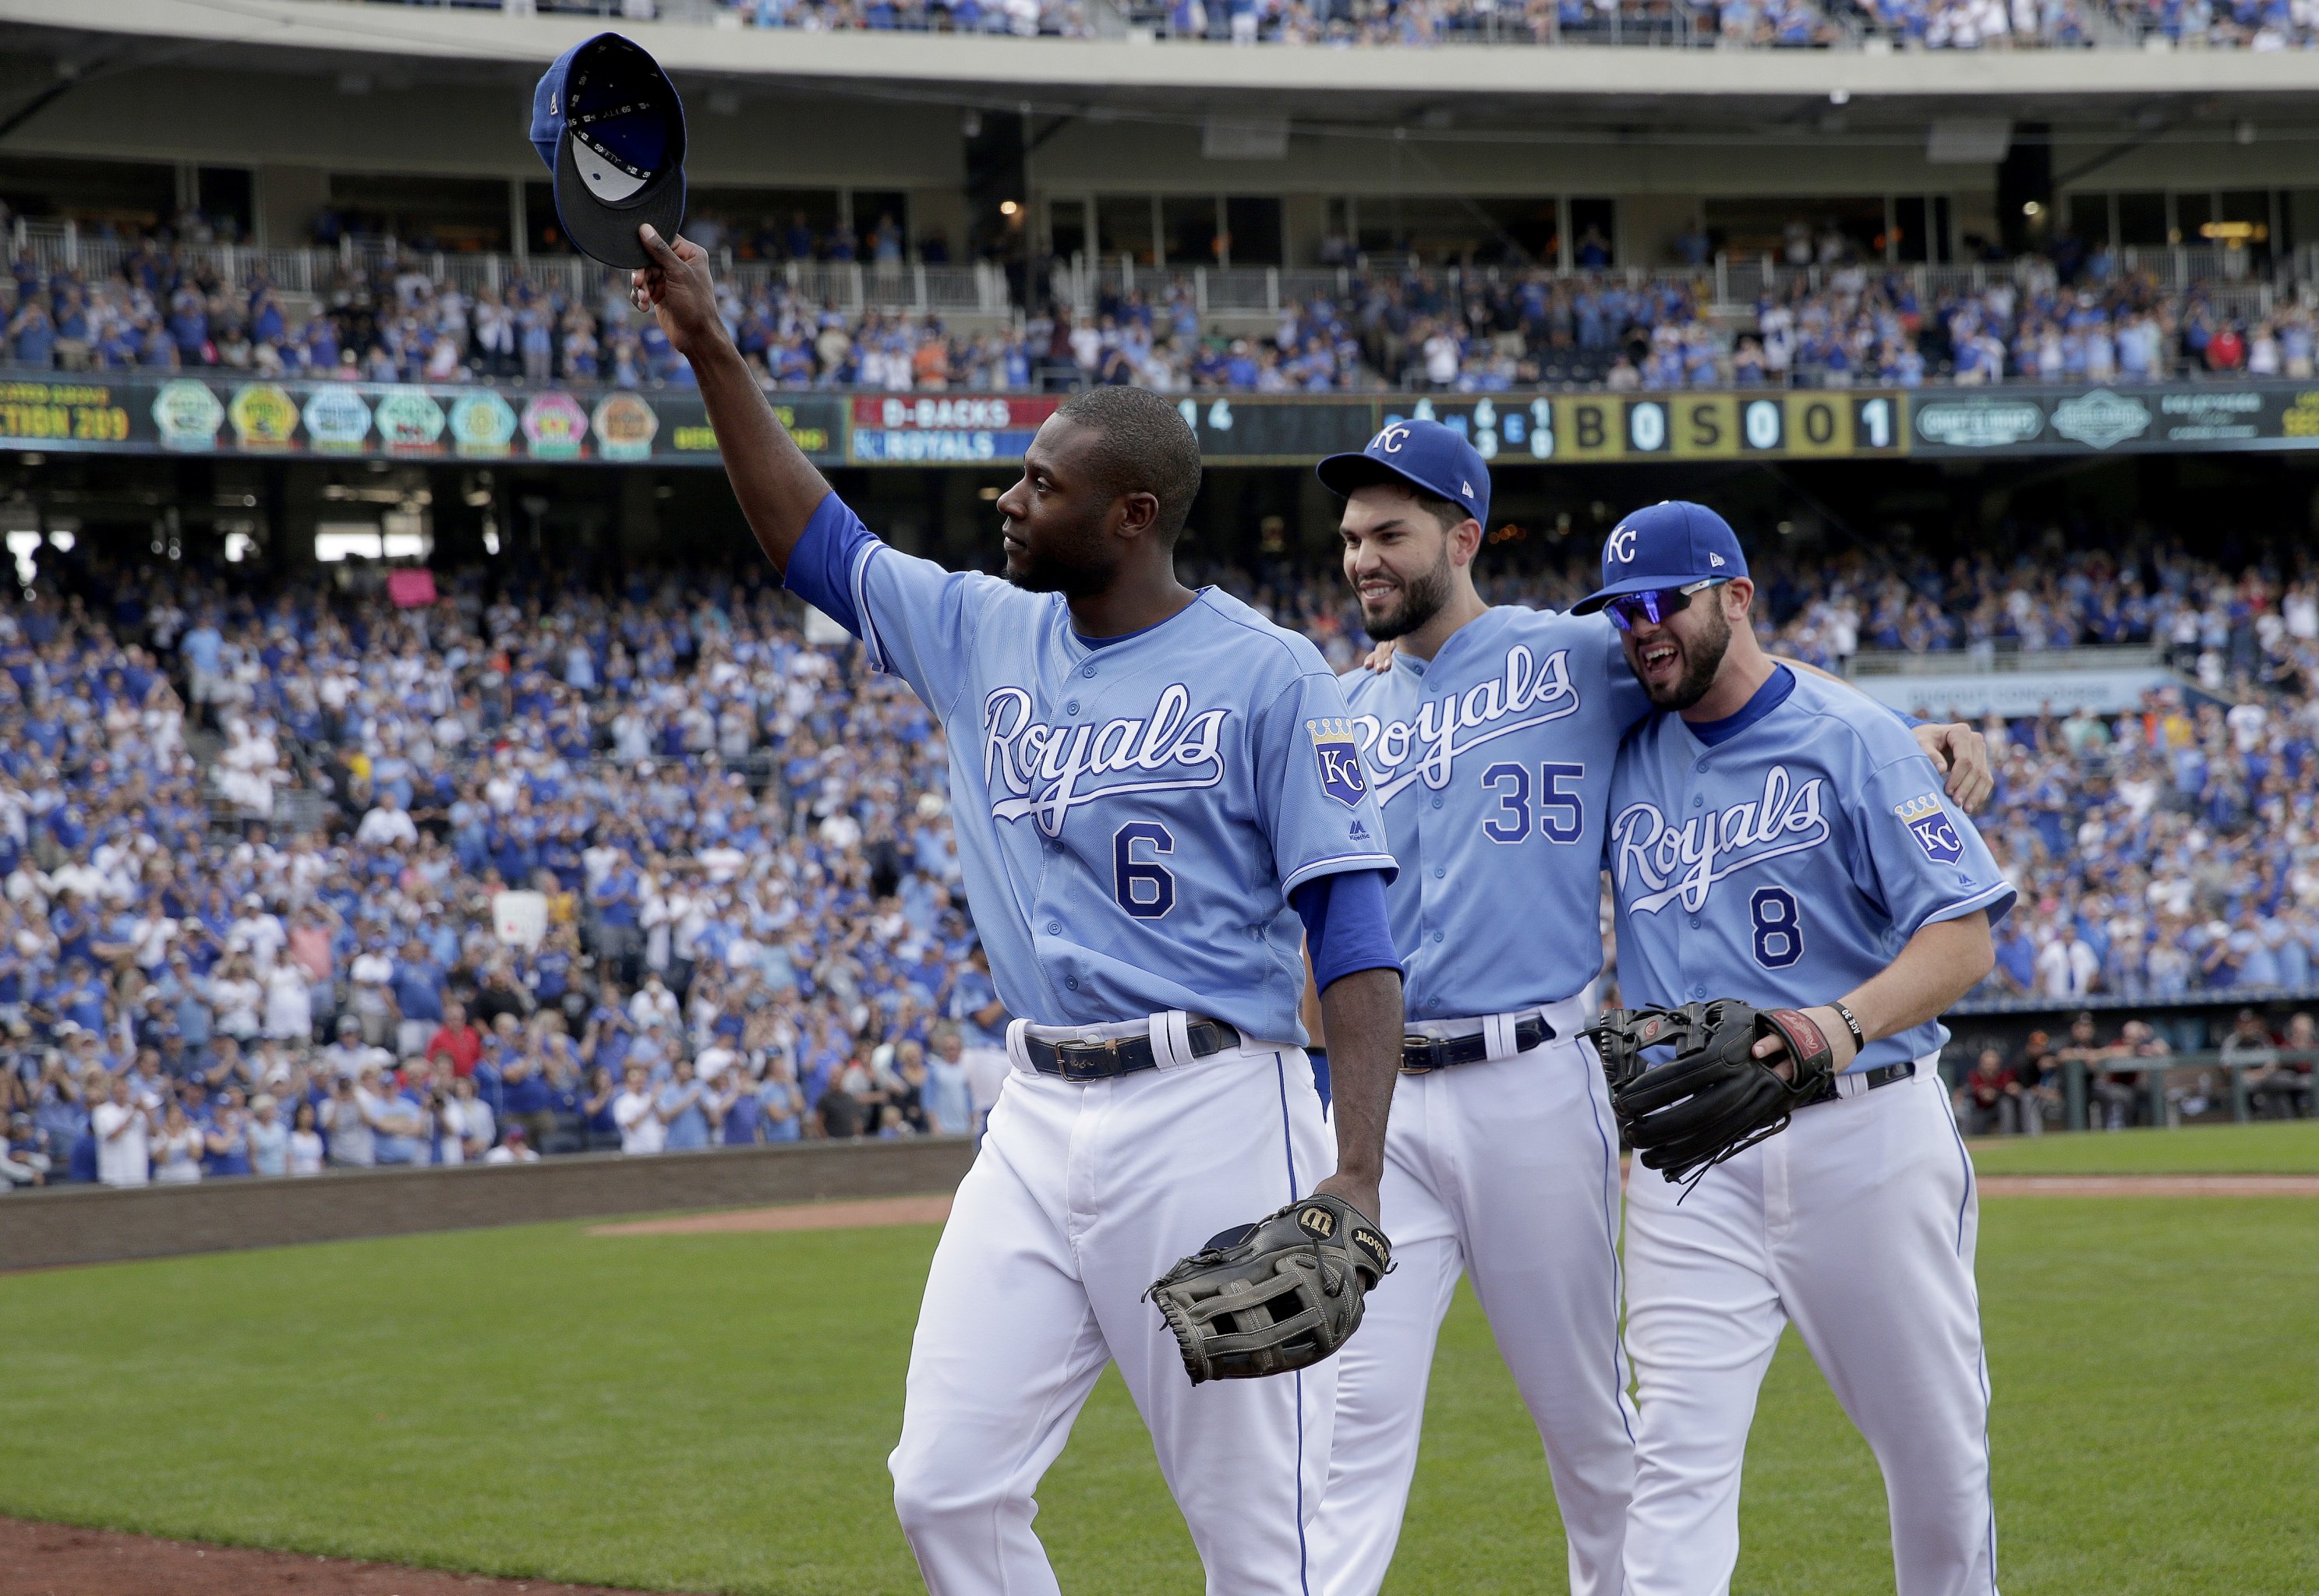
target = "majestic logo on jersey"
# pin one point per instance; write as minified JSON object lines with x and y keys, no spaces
{"x":1339,"y":756}
{"x":1046,"y":771}
{"x":1928,"y":823}
{"x":1655,"y":863}
{"x":1526,"y":694}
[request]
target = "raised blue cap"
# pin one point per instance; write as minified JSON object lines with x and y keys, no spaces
{"x":608,"y":122}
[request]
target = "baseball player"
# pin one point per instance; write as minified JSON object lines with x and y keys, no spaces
{"x":1157,"y":799}
{"x":1490,"y":739}
{"x":1777,"y":841}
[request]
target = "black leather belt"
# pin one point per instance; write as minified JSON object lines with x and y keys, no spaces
{"x":1124,"y":1055}
{"x":1884,"y":1077}
{"x":1422,"y":1055}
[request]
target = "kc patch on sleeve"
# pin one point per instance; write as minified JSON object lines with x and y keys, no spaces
{"x":1929,"y":823}
{"x":1339,"y":756}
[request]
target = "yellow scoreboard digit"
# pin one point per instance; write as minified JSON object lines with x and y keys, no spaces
{"x":1706,"y":426}
{"x":1592,"y":429}
{"x":1819,"y":424}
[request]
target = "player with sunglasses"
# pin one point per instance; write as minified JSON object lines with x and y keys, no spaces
{"x":1488,"y":735}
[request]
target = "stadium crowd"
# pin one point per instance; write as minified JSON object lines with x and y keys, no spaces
{"x":2260,"y":25}
{"x":2084,"y":317}
{"x":737,"y":917}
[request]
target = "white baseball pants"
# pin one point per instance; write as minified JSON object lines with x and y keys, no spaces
{"x":1506,"y":1170}
{"x":1857,"y":1223}
{"x":1080,"y":1198}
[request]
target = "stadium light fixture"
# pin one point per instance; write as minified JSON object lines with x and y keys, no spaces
{"x":1008,"y":208}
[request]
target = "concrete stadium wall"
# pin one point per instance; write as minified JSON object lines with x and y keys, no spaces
{"x":412,"y":123}
{"x":82,"y":1225}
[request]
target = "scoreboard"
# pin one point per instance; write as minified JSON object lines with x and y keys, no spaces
{"x":212,"y":414}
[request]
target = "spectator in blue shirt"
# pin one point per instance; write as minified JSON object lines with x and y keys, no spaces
{"x":682,"y":1105}
{"x":525,"y":1094}
{"x":32,"y":336}
{"x":616,"y":900}
{"x":417,"y":987}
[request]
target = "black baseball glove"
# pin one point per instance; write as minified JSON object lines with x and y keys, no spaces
{"x":1713,"y":1097}
{"x":1279,"y":1294}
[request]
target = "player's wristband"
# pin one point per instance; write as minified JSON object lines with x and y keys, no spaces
{"x":1851,"y":1024}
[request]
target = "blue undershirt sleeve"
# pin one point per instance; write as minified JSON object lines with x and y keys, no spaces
{"x":1345,"y":924}
{"x":821,"y":566}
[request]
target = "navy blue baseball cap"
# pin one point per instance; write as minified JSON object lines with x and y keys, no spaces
{"x":1425,"y":455}
{"x":1670,"y":545}
{"x":609,"y":123}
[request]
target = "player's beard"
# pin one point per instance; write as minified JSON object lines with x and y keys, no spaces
{"x":1702,"y":661}
{"x":1064,"y":561}
{"x":1421,"y":599}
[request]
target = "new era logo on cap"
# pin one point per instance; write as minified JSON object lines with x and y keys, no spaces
{"x":1466,"y":489}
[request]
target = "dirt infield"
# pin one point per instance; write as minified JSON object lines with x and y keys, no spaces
{"x":860,"y":1215}
{"x":55,"y":1560}
{"x":2150,"y":1186}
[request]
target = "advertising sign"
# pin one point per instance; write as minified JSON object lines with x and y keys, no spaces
{"x":227,"y":414}
{"x":944,"y":429}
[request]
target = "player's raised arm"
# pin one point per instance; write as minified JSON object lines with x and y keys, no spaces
{"x":776,"y":486}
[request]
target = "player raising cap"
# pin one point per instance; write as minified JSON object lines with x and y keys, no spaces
{"x":1145,"y":780}
{"x":1782,"y":853}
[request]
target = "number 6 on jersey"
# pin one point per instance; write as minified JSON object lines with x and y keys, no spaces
{"x":1143,"y":889}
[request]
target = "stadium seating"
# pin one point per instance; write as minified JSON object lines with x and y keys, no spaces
{"x":183,"y":303}
{"x":738,"y":843}
{"x":1921,"y":24}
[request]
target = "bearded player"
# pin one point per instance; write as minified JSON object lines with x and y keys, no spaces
{"x":1490,"y":737}
{"x":1156,"y":801}
{"x":1779,"y":849}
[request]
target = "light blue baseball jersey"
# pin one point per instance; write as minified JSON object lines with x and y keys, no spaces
{"x":1130,"y":816}
{"x":1788,"y":861}
{"x":1492,"y":763}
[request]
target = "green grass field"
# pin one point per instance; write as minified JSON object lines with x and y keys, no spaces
{"x":2281,"y":1147}
{"x":712,"y":1412}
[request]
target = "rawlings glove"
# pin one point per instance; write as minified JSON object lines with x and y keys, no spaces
{"x":1713,"y":1098}
{"x":1279,"y":1294}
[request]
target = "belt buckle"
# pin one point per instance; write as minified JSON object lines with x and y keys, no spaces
{"x":1429,"y":1046}
{"x":1099,"y":1058}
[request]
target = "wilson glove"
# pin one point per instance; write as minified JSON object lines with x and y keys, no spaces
{"x":1279,"y":1294}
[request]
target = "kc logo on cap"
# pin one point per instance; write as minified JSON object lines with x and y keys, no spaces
{"x":1669,"y":545}
{"x":1425,"y":455}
